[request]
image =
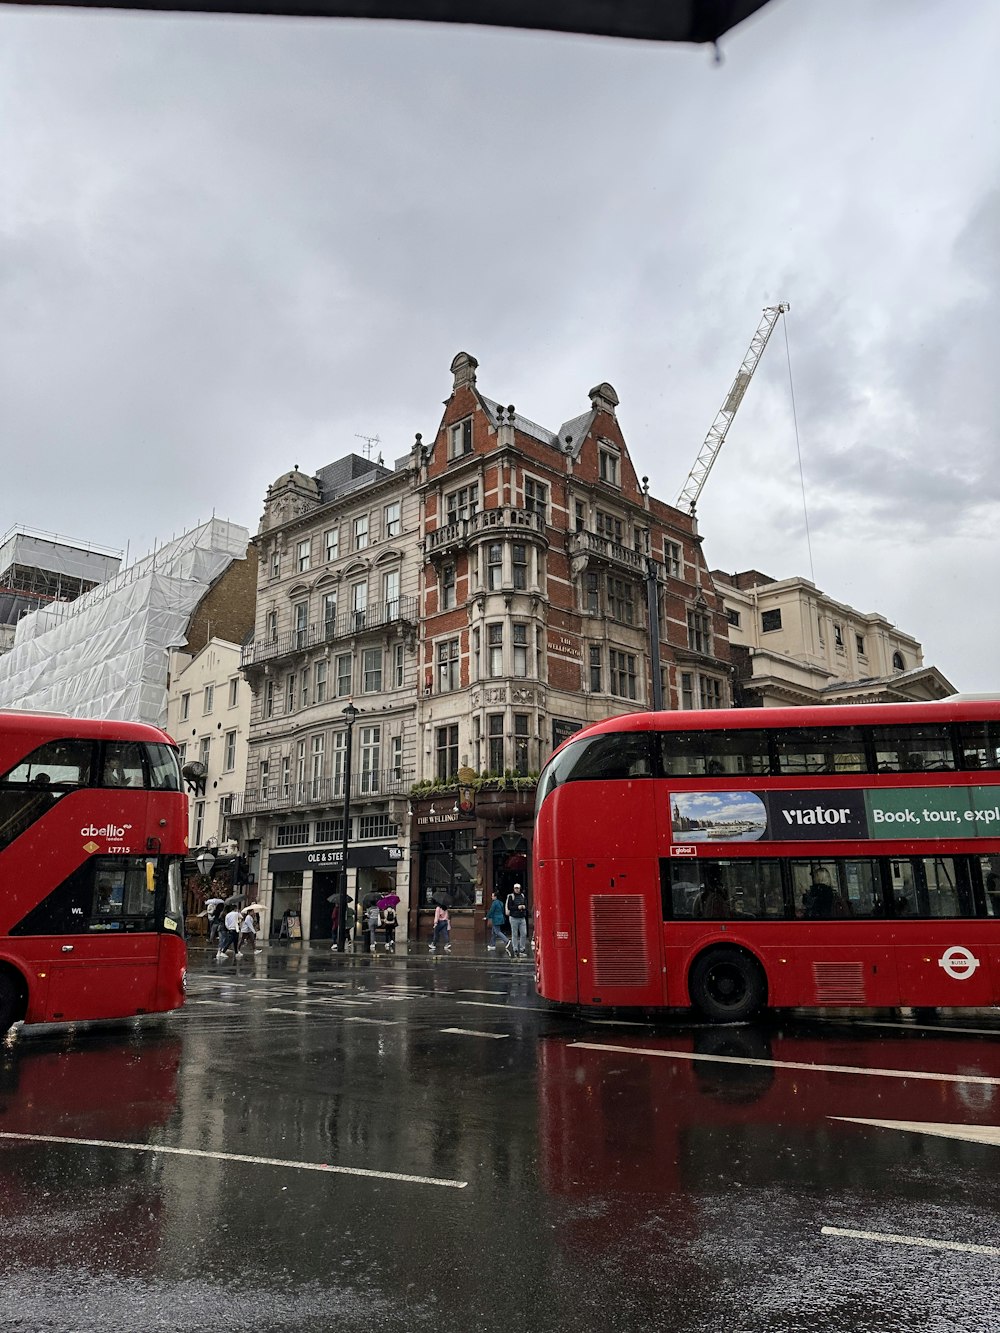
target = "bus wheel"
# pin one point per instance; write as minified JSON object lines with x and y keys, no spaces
{"x":9,"y":1002}
{"x":727,"y":985}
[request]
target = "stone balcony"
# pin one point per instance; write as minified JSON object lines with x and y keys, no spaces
{"x":505,"y":521}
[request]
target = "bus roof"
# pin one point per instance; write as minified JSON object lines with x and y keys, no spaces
{"x":61,"y":725}
{"x":958,"y":708}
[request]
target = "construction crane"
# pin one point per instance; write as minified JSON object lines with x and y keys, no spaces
{"x":713,"y":440}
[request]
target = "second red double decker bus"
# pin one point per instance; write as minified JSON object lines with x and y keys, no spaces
{"x":93,"y":830}
{"x":732,"y":859}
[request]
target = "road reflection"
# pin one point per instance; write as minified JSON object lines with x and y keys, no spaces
{"x":59,"y":1203}
{"x":635,"y":1128}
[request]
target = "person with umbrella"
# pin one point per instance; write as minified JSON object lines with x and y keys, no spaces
{"x":442,"y":923}
{"x":387,"y":906}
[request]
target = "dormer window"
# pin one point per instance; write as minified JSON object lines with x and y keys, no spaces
{"x":609,"y":467}
{"x":460,"y":439}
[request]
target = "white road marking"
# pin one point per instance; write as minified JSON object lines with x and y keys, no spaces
{"x":482,"y":992}
{"x":240,"y":1157}
{"x":922,"y":1241}
{"x":471,"y":1032}
{"x":970,"y":1133}
{"x":793,"y":1064}
{"x":484,"y":1004}
{"x":295,"y":1013}
{"x":930,"y":1027}
{"x":380,"y":1022}
{"x":226,"y":1004}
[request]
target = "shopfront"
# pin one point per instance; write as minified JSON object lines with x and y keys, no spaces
{"x":307,"y":883}
{"x":462,"y":850}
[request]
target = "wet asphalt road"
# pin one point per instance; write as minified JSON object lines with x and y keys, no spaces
{"x":399,"y":1144}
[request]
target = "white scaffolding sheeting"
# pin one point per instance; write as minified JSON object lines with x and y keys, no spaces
{"x":105,"y":655}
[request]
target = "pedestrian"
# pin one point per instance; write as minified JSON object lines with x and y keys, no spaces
{"x":389,"y":926}
{"x":373,"y":925}
{"x":216,"y":908}
{"x":442,"y":929}
{"x":248,"y":934}
{"x":496,"y":917}
{"x":517,"y":911}
{"x":334,"y":923}
{"x":230,"y":935}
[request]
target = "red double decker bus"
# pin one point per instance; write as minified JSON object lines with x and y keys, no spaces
{"x":733,"y":859}
{"x":93,"y":829}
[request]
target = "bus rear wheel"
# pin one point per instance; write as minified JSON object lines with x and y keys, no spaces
{"x":10,"y":1002}
{"x":727,"y":986}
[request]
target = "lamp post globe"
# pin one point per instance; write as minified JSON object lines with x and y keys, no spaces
{"x":205,"y":861}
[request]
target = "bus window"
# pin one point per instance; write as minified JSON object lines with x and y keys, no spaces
{"x":105,"y":893}
{"x":989,"y":869}
{"x":932,"y":886}
{"x":122,"y":764}
{"x":721,"y":890}
{"x":607,"y":757}
{"x":821,"y":750}
{"x":164,"y":768}
{"x":979,"y":744}
{"x":829,"y":890}
{"x":714,"y":753}
{"x":57,"y":763}
{"x":913,"y":749}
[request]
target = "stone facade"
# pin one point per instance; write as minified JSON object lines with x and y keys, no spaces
{"x":793,"y":644}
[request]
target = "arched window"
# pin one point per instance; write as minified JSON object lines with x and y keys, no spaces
{"x":897,"y":662}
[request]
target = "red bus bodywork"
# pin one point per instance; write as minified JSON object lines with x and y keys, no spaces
{"x":603,"y":934}
{"x":96,"y":973}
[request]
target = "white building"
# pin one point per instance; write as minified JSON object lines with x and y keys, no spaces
{"x":208,"y":715}
{"x":792,"y":644}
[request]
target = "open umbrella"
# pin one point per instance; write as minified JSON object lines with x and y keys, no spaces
{"x":442,"y":898}
{"x":389,"y":900}
{"x":235,"y":899}
{"x":369,"y":900}
{"x":254,"y":907}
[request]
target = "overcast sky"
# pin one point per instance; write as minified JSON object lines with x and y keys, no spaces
{"x":232,"y":245}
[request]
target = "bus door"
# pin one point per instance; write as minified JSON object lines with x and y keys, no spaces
{"x":619,"y":932}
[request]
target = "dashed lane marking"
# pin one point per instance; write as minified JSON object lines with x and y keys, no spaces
{"x":498,"y":993}
{"x":970,"y":1133}
{"x":157,"y":1148}
{"x":472,"y":1032}
{"x":925,"y":1242}
{"x":379,"y":1022}
{"x":484,"y":1004}
{"x":922,"y":1074}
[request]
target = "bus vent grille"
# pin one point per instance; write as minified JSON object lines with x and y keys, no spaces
{"x":620,"y":946}
{"x":839,"y":983}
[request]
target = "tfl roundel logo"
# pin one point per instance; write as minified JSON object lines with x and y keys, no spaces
{"x":958,"y":962}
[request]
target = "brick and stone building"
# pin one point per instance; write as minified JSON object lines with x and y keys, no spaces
{"x":536,"y":547}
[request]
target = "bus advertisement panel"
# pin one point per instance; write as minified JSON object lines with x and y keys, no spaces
{"x":815,"y":856}
{"x":93,"y":830}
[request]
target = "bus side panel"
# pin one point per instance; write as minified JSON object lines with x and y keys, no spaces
{"x":96,"y":976}
{"x":170,"y":974}
{"x":555,"y":932}
{"x":947,"y":963}
{"x":619,"y":932}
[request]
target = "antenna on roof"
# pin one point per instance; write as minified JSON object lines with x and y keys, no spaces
{"x":370,"y":441}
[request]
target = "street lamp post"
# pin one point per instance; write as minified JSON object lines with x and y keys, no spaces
{"x":351,"y":714}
